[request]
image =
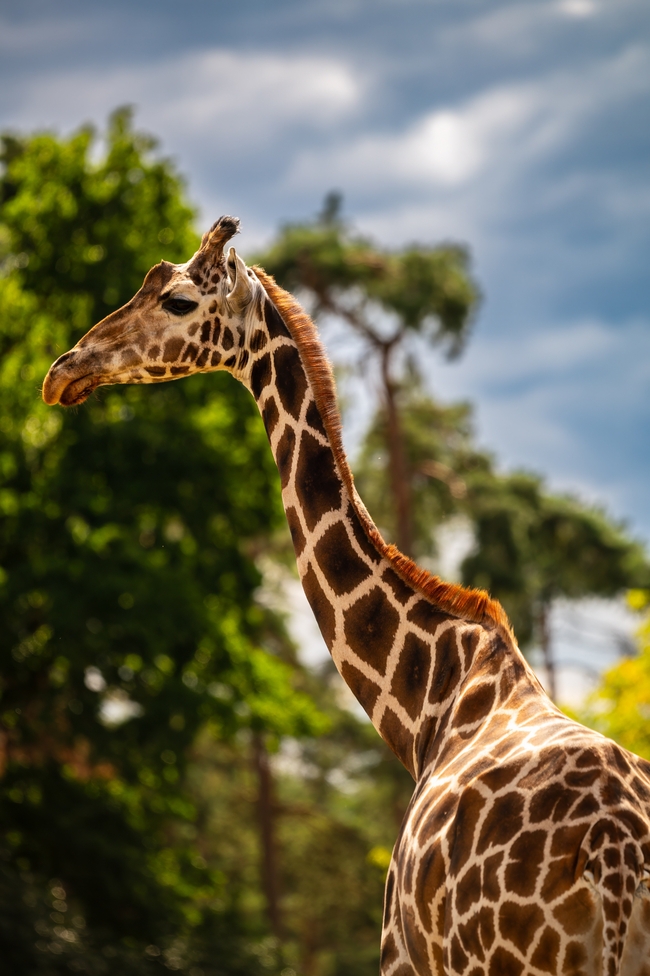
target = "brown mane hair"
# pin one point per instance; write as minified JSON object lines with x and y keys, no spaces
{"x":473,"y":605}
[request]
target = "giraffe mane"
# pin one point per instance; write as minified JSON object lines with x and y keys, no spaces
{"x":464,"y":602}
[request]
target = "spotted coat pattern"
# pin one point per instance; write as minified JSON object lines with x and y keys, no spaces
{"x":525,"y":850}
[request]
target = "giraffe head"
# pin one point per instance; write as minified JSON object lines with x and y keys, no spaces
{"x":186,"y":318}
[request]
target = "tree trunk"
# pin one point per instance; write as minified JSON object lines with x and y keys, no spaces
{"x":265,"y":814}
{"x":399,"y":479}
{"x":547,"y":650}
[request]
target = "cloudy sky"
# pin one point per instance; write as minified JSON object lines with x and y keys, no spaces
{"x":520,"y":127}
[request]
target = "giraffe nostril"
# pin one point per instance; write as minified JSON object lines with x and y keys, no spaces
{"x":62,"y":359}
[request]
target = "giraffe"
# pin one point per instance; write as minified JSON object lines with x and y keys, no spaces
{"x":525,"y":850}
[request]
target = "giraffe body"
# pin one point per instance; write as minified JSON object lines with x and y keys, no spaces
{"x":525,"y":850}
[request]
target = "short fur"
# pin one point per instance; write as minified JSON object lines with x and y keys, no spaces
{"x":468,"y":604}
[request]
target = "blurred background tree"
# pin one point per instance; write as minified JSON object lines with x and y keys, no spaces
{"x":530,"y":547}
{"x":620,"y":706}
{"x":176,"y":791}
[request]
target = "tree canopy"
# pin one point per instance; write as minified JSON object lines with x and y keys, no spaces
{"x":127,"y":584}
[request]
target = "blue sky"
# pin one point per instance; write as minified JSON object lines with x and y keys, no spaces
{"x":520,"y":128}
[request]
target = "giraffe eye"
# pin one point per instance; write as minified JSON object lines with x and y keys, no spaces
{"x":179,"y":306}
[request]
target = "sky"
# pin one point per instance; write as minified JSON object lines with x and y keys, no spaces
{"x":520,"y":128}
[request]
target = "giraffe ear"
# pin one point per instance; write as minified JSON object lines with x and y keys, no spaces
{"x":217,"y":237}
{"x":240,"y":292}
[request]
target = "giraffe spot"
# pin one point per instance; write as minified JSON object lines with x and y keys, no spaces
{"x":409,"y":684}
{"x":274,"y":322}
{"x":206,"y":328}
{"x":364,"y":690}
{"x":496,"y":779}
{"x":192,"y":329}
{"x":284,"y":454}
{"x":467,"y":816}
{"x":567,"y":840}
{"x":611,"y":792}
{"x":258,"y":340}
{"x":503,"y":963}
{"x":203,"y":357}
{"x":469,"y":934}
{"x":397,"y":737}
{"x":424,"y":615}
{"x":401,"y":590}
{"x":156,"y":370}
{"x":446,"y":672}
{"x":389,"y":952}
{"x":217,"y":331}
{"x":475,"y":705}
{"x":430,"y":882}
{"x":389,"y":895}
{"x":260,"y":375}
{"x":416,"y":946}
{"x":290,"y":379}
{"x":486,"y":927}
{"x":130,"y":357}
{"x":213,"y":308}
{"x":370,"y":628}
{"x":575,"y":959}
{"x":295,"y":528}
{"x":468,"y":891}
{"x":314,"y":418}
{"x":588,"y":757}
{"x":154,"y":352}
{"x":365,"y":544}
{"x":581,"y":778}
{"x":318,"y":485}
{"x":457,"y":958}
{"x":469,"y":642}
{"x":558,"y":880}
{"x":172,"y":349}
{"x":190,"y":353}
{"x":613,"y":883}
{"x":243,"y":359}
{"x":216,"y":358}
{"x":519,"y":923}
{"x":503,"y":821}
{"x":610,"y":911}
{"x":620,"y":760}
{"x":321,"y":607}
{"x":230,"y":362}
{"x":525,"y":858}
{"x":587,"y":807}
{"x":270,"y":416}
{"x":180,"y":370}
{"x":343,"y":568}
{"x":545,"y":956}
{"x":227,"y":340}
{"x":552,"y":802}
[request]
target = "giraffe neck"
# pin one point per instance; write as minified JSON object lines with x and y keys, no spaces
{"x":403,"y":641}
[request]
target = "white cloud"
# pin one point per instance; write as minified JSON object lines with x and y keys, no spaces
{"x":227,"y":100}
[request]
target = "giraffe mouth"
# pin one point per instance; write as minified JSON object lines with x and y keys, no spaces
{"x":78,"y":391}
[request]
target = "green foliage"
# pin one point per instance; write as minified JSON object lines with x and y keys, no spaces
{"x":127,"y":591}
{"x":532,"y":546}
{"x":620,"y":706}
{"x":426,"y":289}
{"x":441,"y":460}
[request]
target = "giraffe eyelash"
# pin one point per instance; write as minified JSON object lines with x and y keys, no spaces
{"x":179,"y":306}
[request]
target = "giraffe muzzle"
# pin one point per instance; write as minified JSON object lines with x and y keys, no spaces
{"x":64,"y":384}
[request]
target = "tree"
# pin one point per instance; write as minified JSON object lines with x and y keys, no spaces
{"x":530,"y":546}
{"x":127,"y":586}
{"x":533,"y":547}
{"x":387,"y":298}
{"x":620,"y":706}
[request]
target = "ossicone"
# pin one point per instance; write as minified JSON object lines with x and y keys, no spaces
{"x":219,"y":234}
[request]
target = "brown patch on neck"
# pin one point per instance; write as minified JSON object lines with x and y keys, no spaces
{"x":472,"y":605}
